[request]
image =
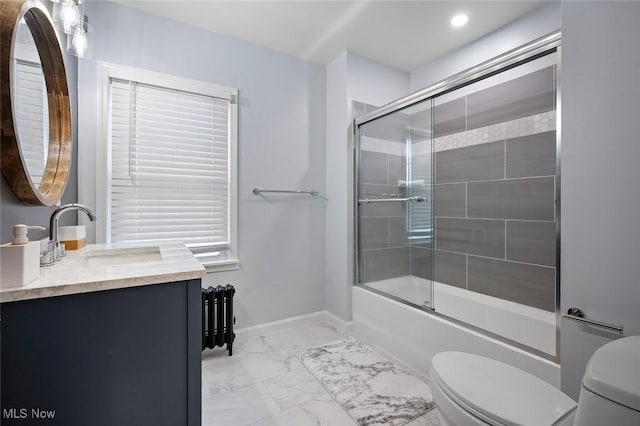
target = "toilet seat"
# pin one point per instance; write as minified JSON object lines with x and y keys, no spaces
{"x":499,"y":394}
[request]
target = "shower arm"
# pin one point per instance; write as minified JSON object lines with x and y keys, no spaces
{"x":414,"y":199}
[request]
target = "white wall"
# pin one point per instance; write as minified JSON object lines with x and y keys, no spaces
{"x":281,"y":145}
{"x":374,"y":83}
{"x":600,"y":176}
{"x":349,"y":78}
{"x":538,"y":23}
{"x":338,"y":249}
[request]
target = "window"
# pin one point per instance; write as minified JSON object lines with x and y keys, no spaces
{"x":170,"y":174}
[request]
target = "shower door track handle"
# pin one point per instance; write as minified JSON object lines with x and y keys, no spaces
{"x":416,"y":199}
{"x":576,"y":314}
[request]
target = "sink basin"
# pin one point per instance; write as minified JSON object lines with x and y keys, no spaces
{"x":120,"y":256}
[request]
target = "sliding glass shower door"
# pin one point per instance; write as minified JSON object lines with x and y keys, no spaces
{"x":394,"y":203}
{"x":458,"y":201}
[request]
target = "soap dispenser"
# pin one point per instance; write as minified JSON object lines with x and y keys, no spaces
{"x":20,"y":259}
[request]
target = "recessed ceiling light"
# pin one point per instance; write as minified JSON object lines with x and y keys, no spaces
{"x":459,"y":20}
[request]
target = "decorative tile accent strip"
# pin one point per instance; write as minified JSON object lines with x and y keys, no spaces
{"x":372,"y":389}
{"x":367,"y":143}
{"x":479,"y":136}
{"x":533,"y":124}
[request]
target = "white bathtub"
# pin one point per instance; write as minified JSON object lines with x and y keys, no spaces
{"x":415,"y":336}
{"x":526,"y":325}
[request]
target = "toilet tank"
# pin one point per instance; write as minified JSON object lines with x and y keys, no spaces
{"x":610,"y":392}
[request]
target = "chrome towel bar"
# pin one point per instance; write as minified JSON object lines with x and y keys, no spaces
{"x":576,"y":314}
{"x":414,"y":199}
{"x":311,"y":192}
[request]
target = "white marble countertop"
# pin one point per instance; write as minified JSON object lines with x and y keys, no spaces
{"x":100,"y":267}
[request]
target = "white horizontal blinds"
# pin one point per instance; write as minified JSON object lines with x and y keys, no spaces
{"x":170,"y":167}
{"x":32,"y":116}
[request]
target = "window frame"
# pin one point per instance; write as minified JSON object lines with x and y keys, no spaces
{"x":107,"y":72}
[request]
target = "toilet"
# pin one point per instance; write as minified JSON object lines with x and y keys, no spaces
{"x":472,"y":390}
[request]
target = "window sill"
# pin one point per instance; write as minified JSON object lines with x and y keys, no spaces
{"x":222,"y":265}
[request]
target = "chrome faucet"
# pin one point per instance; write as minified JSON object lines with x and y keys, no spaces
{"x":58,"y":250}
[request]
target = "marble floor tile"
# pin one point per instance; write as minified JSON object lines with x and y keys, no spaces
{"x":264,"y":383}
{"x":324,"y":332}
{"x":432,"y":418}
{"x":239,"y":407}
{"x":248,"y":370}
{"x":294,"y":388}
{"x":295,"y":339}
{"x":319,"y":411}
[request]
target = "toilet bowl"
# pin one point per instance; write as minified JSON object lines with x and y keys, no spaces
{"x":472,"y":390}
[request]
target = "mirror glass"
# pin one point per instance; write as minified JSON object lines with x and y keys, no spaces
{"x":30,"y":103}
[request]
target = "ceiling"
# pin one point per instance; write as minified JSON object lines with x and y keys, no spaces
{"x":402,"y":34}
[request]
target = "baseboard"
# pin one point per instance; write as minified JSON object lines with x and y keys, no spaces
{"x":313,"y":318}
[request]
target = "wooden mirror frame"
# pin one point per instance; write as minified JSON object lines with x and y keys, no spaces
{"x":58,"y":165}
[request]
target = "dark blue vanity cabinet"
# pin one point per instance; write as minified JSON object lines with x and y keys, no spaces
{"x":124,"y":357}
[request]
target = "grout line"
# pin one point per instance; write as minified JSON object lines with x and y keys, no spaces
{"x":504,"y":172}
{"x":466,"y":199}
{"x":505,"y":240}
{"x":492,"y":218}
{"x":496,"y":258}
{"x":499,"y":179}
{"x":466,"y":274}
{"x":474,"y":218}
{"x":450,"y":183}
{"x":393,"y":247}
{"x":388,"y":232}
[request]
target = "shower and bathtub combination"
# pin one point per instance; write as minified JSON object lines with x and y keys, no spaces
{"x":457,"y":215}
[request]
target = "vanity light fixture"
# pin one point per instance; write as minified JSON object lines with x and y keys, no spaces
{"x":459,"y":20}
{"x":79,"y":43}
{"x":70,"y":15}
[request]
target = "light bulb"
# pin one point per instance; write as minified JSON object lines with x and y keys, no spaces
{"x":79,"y":42}
{"x":69,"y":16}
{"x":459,"y":20}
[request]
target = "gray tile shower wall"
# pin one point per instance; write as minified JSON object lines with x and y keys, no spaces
{"x":421,"y":262}
{"x":471,"y":236}
{"x":532,"y":155}
{"x":523,"y":96}
{"x":519,"y":282}
{"x":494,"y":197}
{"x":450,"y":268}
{"x":386,"y":263}
{"x":450,"y":200}
{"x":525,"y":199}
{"x":449,"y":117}
{"x":532,"y":242}
{"x":472,"y":163}
{"x":384,"y":242}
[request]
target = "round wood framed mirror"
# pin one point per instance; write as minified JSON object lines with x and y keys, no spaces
{"x":35,"y":157}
